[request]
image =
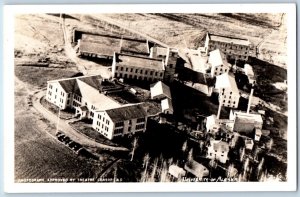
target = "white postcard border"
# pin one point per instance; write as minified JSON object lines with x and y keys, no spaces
{"x":8,"y":76}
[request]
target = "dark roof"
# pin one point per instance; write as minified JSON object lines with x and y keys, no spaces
{"x":134,"y":46}
{"x":68,"y":84}
{"x":126,"y":113}
{"x":84,"y":108}
{"x":94,"y":81}
{"x":98,"y":48}
{"x":138,"y":61}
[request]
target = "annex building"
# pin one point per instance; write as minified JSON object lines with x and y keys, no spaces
{"x":234,"y":48}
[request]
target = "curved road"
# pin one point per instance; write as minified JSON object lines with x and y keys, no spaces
{"x":66,"y":128}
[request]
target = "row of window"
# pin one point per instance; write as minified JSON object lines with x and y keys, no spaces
{"x":230,"y":46}
{"x":140,"y":71}
{"x":101,"y":132}
{"x":76,"y":97}
{"x":149,"y":78}
{"x":103,"y":119}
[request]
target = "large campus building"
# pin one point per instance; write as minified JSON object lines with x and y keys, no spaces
{"x":120,"y":121}
{"x":87,"y":96}
{"x":137,"y":67}
{"x":234,"y":48}
{"x":84,"y":94}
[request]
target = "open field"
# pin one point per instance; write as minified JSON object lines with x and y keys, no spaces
{"x":38,"y":154}
{"x":187,"y":30}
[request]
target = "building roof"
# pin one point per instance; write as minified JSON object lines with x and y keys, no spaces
{"x":245,"y":117}
{"x":217,"y":58}
{"x":166,"y":104}
{"x":67,"y":84}
{"x":98,"y":48}
{"x":140,"y":62}
{"x":161,"y":51}
{"x":94,"y":81}
{"x":226,"y":81}
{"x":227,"y":39}
{"x":160,"y":88}
{"x":134,"y":46}
{"x":83,"y":108}
{"x":196,"y":168}
{"x":199,"y":63}
{"x":92,"y":95}
{"x":126,"y":113}
{"x":88,"y":88}
{"x":220,"y":146}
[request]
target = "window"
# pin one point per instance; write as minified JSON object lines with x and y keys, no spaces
{"x":155,"y":73}
{"x":136,"y":71}
{"x":50,"y":93}
{"x":102,"y":126}
{"x":141,"y":71}
{"x":50,"y":86}
{"x":118,"y":131}
{"x":119,"y":124}
{"x":230,"y":92}
{"x":151,"y":72}
{"x":55,"y":97}
{"x":107,"y":122}
{"x":117,"y":67}
{"x":68,"y":102}
{"x":222,"y":155}
{"x":129,"y":128}
{"x":161,"y":74}
{"x":56,"y":90}
{"x":139,"y":120}
{"x":121,"y":68}
{"x":103,"y":119}
{"x":99,"y":116}
{"x":140,"y":126}
{"x":69,"y":95}
{"x":146,"y":72}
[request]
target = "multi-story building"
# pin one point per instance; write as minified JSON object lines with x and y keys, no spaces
{"x":170,"y":57}
{"x":120,"y":121}
{"x":82,"y":93}
{"x":217,"y":61}
{"x":234,"y":48}
{"x":229,"y":94}
{"x":137,"y":67}
{"x":218,"y":150}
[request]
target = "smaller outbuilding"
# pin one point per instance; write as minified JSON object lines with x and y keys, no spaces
{"x":160,"y":91}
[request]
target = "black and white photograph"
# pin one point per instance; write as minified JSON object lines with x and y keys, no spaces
{"x":153,"y":97}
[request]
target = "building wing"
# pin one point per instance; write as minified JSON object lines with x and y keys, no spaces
{"x":126,"y":113}
{"x":226,"y":81}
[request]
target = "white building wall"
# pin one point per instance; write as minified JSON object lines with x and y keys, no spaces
{"x":56,"y":95}
{"x":228,"y":98}
{"x":129,"y":126}
{"x":130,"y":72}
{"x":216,"y":154}
{"x":103,"y":124}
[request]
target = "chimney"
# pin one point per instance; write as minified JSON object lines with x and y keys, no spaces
{"x":219,"y":110}
{"x":249,"y":102}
